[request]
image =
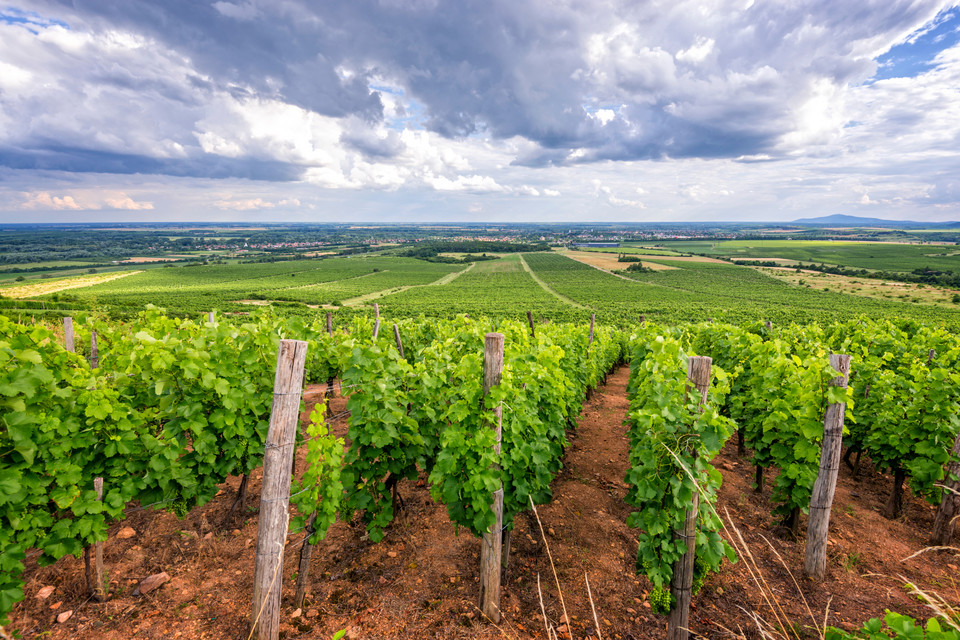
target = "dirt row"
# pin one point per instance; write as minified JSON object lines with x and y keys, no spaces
{"x":421,"y":580}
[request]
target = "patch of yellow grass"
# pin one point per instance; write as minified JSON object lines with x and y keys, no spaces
{"x":866,"y":287}
{"x":608,"y":261}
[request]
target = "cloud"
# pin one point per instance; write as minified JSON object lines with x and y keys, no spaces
{"x":244,"y":205}
{"x":44,"y":200}
{"x":730,"y":108}
{"x":124,"y":201}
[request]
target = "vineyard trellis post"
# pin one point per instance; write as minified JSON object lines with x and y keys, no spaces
{"x":68,"y":335}
{"x":533,"y":333}
{"x":95,"y":582}
{"x":396,"y":336}
{"x":949,"y":512}
{"x":94,"y":570}
{"x":491,"y":544}
{"x":210,"y":317}
{"x":275,"y":494}
{"x":681,"y":585}
{"x":94,"y":353}
{"x":593,"y":318}
{"x":329,"y":391}
{"x":818,"y":525}
{"x":376,"y":322}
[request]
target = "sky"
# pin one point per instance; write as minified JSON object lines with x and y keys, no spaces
{"x":424,"y":111}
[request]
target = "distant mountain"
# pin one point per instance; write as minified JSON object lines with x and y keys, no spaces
{"x":840,"y":220}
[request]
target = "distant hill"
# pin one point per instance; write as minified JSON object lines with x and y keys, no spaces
{"x":841,"y":220}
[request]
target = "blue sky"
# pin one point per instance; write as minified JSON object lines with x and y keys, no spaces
{"x":424,"y":111}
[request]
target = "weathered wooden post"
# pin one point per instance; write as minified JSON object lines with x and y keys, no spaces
{"x":491,"y":545}
{"x":68,"y":335}
{"x":949,"y":512}
{"x":681,"y":585}
{"x":93,"y":567}
{"x":210,"y":317}
{"x":303,"y":572}
{"x":396,"y":336}
{"x":94,"y":352}
{"x":818,"y":525}
{"x":769,"y":326}
{"x":376,"y":322}
{"x":329,"y":391}
{"x":533,"y":332}
{"x":275,"y":494}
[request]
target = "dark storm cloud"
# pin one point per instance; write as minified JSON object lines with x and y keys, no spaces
{"x":79,"y":160}
{"x":684,"y":80}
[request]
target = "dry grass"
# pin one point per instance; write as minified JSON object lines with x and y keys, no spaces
{"x":608,"y":261}
{"x":53,"y":286}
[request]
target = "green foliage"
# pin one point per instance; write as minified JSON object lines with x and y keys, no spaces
{"x":910,"y":417}
{"x":673,"y":438}
{"x":898,"y":627}
{"x":779,"y":397}
{"x":61,"y":426}
{"x":318,"y":493}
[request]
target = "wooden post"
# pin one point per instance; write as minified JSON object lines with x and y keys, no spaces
{"x":769,"y":325}
{"x":931,"y":355}
{"x":376,"y":322}
{"x":68,"y":334}
{"x":275,"y":493}
{"x":949,"y":511}
{"x":533,"y":333}
{"x":210,"y":317}
{"x":396,"y":336}
{"x":94,"y":353}
{"x":818,"y":525}
{"x":491,"y":545}
{"x":303,"y":573}
{"x":681,"y":585}
{"x":643,"y":318}
{"x":329,"y":391}
{"x":593,"y":318}
{"x":94,"y":570}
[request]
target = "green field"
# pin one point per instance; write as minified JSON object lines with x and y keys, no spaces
{"x":860,"y":255}
{"x":550,"y":285}
{"x":205,"y":287}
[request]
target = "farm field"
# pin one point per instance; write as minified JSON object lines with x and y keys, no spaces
{"x":496,"y":287}
{"x":204,"y":287}
{"x":866,"y":287}
{"x":699,"y":290}
{"x":609,"y":262}
{"x":553,"y":285}
{"x":46,"y":287}
{"x":861,"y":255}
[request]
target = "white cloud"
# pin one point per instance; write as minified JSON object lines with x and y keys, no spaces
{"x":283,"y":106}
{"x":698,"y":52}
{"x":43,"y":200}
{"x":252,"y":204}
{"x":124,"y":201}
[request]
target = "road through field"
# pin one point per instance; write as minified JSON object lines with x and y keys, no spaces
{"x":546,"y":287}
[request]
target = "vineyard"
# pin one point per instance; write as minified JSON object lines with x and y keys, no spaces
{"x":465,"y":432}
{"x":549,"y":284}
